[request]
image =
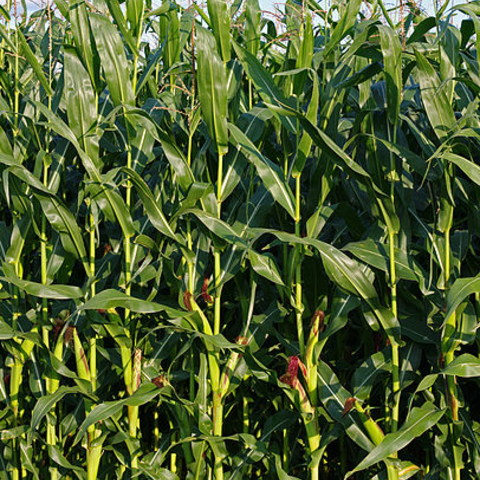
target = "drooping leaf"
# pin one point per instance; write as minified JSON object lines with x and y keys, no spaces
{"x":420,"y":420}
{"x":108,"y":299}
{"x":437,"y":106}
{"x":465,"y":365}
{"x":270,"y":173}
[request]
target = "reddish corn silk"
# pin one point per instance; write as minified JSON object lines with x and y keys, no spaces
{"x":293,"y":366}
{"x":288,"y":380}
{"x":187,"y":300}
{"x":241,"y":340}
{"x":291,"y":376}
{"x":159,"y":381}
{"x":300,"y":364}
{"x":348,"y":405}
{"x":206,"y":297}
{"x":68,"y":335}
{"x":319,"y":317}
{"x":57,"y":328}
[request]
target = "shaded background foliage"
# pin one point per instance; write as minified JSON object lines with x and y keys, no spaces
{"x":233,"y":247}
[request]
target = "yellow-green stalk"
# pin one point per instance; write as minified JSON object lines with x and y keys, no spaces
{"x":298,"y":270}
{"x":448,"y":340}
{"x":94,"y":452}
{"x":49,"y":383}
{"x":215,"y":374}
{"x":373,"y":430}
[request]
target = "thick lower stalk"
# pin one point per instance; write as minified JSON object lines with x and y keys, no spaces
{"x":313,"y":443}
{"x":218,"y":431}
{"x":450,"y":328}
{"x":16,"y":379}
{"x":133,"y":418}
{"x":395,"y":353}
{"x":94,"y":453}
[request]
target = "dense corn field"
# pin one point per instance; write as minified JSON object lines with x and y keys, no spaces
{"x":237,"y":245}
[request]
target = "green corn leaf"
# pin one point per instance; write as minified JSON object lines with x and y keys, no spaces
{"x":81,"y":103}
{"x":26,"y":51}
{"x":170,"y":31}
{"x":56,"y":455}
{"x":145,"y":393}
{"x":220,"y":23}
{"x":117,"y":14}
{"x":220,"y":228}
{"x":438,"y":109}
{"x":147,"y":73}
{"x":367,"y":373}
{"x":82,"y":35}
{"x":420,"y":420}
{"x":63,"y":221}
{"x":115,"y":201}
{"x":135,"y":16}
{"x":63,"y":8}
{"x":55,"y":292}
{"x":6,"y":332}
{"x":266,"y":87}
{"x":377,"y":255}
{"x":113,"y":59}
{"x":361,"y":76}
{"x":461,"y":289}
{"x":465,"y":366}
{"x":252,"y":26}
{"x":115,"y":299}
{"x":471,"y":169}
{"x":392,"y":59}
{"x":164,"y":8}
{"x":346,"y":22}
{"x":334,"y":397}
{"x":27,"y":459}
{"x":266,"y":266}
{"x":345,"y":272}
{"x":212,"y":89}
{"x":271,"y":174}
{"x":151,"y":206}
{"x":57,"y":214}
{"x":178,"y":161}
{"x":7,"y":38}
{"x":45,"y":404}
{"x":251,"y":124}
{"x":305,"y":144}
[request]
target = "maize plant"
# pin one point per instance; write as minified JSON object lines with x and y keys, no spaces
{"x":237,"y":244}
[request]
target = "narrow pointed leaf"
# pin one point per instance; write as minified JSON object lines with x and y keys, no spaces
{"x":271,"y":175}
{"x":212,"y":89}
{"x":420,"y":420}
